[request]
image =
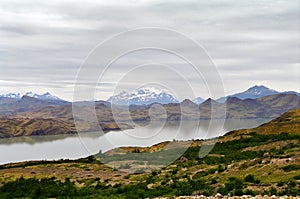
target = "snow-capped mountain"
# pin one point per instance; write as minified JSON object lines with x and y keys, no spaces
{"x":143,"y":96}
{"x":45,"y":96}
{"x":11,"y":95}
{"x":198,"y":100}
{"x":18,"y":96}
{"x":252,"y":93}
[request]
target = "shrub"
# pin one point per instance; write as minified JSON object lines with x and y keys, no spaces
{"x":174,"y":171}
{"x":249,"y":192}
{"x":221,"y":168}
{"x":213,"y":181}
{"x":249,"y":178}
{"x":280,"y":184}
{"x":238,"y":192}
{"x":223,"y":191}
{"x":211,"y":171}
{"x":291,"y":167}
{"x":273,"y":191}
{"x":297,"y":177}
{"x":292,"y":183}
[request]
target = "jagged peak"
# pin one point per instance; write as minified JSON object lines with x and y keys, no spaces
{"x":44,"y":96}
{"x":209,"y":101}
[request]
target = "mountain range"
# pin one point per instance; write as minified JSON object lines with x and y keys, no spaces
{"x":150,"y":95}
{"x":18,"y":96}
{"x":44,"y":114}
{"x":31,"y":116}
{"x":12,"y":106}
{"x":256,"y":92}
{"x":143,"y":96}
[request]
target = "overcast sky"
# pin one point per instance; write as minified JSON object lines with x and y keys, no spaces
{"x":44,"y":43}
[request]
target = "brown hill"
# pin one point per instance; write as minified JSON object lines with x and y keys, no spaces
{"x":280,"y":102}
{"x":13,"y":127}
{"x":289,"y":122}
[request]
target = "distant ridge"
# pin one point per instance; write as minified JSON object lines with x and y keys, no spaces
{"x":45,"y":96}
{"x":198,"y":100}
{"x":150,"y":95}
{"x":11,"y":95}
{"x":11,"y":106}
{"x":251,"y":93}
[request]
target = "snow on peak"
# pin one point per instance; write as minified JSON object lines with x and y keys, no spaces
{"x":198,"y":100}
{"x":143,"y":96}
{"x":251,"y":93}
{"x":260,"y":90}
{"x":30,"y":94}
{"x":45,"y":96}
{"x":12,"y":95}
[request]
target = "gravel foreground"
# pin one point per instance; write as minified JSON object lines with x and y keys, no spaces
{"x":219,"y":196}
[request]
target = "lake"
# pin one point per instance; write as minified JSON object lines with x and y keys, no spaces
{"x":85,"y":144}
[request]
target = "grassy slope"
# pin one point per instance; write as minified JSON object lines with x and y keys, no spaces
{"x":288,"y":122}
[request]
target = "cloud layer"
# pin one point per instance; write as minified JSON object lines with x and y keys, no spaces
{"x":43,"y":44}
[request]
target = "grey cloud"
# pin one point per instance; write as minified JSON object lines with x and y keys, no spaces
{"x":251,"y":42}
